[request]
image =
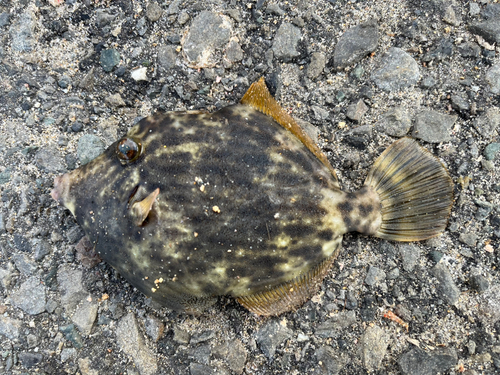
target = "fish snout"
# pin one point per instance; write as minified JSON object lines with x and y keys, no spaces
{"x":61,"y":189}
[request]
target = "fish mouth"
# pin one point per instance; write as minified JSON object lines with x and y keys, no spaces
{"x":61,"y":189}
{"x":60,"y":192}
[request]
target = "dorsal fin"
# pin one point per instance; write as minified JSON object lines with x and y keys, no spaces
{"x":259,"y":97}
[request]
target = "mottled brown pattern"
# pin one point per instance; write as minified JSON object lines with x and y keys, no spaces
{"x":244,"y":208}
{"x":268,"y":187}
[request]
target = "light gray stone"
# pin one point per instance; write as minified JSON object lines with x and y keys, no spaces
{"x":208,"y":33}
{"x":433,"y":127}
{"x":9,"y":327}
{"x":71,"y":287}
{"x":395,"y":122}
{"x":286,"y":42}
{"x":317,"y":65}
{"x":270,"y":336}
{"x":397,"y":71}
{"x":85,"y":315}
{"x":488,"y":123}
{"x":372,"y":347}
{"x":132,"y":342}
{"x":493,"y":77}
{"x":374,"y":276}
{"x":30,"y":297}
{"x":334,"y":326}
{"x":446,"y":287}
{"x":410,"y":255}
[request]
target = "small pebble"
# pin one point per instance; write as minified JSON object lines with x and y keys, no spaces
{"x":491,"y":151}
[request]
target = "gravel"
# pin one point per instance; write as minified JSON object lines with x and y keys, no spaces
{"x":75,"y":75}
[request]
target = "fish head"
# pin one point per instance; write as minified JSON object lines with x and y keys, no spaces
{"x":106,"y":195}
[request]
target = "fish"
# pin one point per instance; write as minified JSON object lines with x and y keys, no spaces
{"x":191,"y":206}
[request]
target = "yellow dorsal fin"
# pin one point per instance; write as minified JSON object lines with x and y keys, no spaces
{"x":259,"y":97}
{"x":140,"y":210}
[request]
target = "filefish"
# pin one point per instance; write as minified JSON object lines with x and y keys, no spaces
{"x":190,"y":206}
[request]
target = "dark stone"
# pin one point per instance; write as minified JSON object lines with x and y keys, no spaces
{"x":356,"y":43}
{"x":22,"y":243}
{"x":435,"y":256}
{"x":328,"y":362}
{"x":29,"y":360}
{"x":419,"y":362}
{"x":201,"y":354}
{"x":72,"y":335}
{"x":446,"y":287}
{"x":166,"y":57}
{"x":199,"y":369}
{"x":4,"y":19}
{"x":270,"y":336}
{"x":76,"y":127}
{"x":489,"y":30}
{"x":395,"y":122}
{"x":479,"y":283}
{"x":443,"y":50}
{"x":469,"y":49}
{"x":459,"y":103}
{"x":109,"y":59}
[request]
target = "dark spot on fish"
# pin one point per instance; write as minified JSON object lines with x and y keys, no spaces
{"x":211,"y":169}
{"x":307,"y":252}
{"x":173,"y":140}
{"x":287,"y":178}
{"x":178,"y":198}
{"x":259,"y":161}
{"x":298,"y":158}
{"x":345,"y":208}
{"x":258,"y":277}
{"x":298,"y":230}
{"x":365,"y":229}
{"x":210,"y":290}
{"x":241,"y":180}
{"x":319,"y":179}
{"x":242,"y":271}
{"x":326,"y":234}
{"x":355,"y":224}
{"x":365,"y":210}
{"x":175,"y":169}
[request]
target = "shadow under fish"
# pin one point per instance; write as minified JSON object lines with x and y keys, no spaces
{"x":189,"y":206}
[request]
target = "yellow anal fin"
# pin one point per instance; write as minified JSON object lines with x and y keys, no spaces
{"x":259,"y":97}
{"x":289,"y":295}
{"x":140,"y":210}
{"x":415,"y":190}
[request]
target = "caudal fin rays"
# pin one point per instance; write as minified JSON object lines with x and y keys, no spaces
{"x":415,"y":190}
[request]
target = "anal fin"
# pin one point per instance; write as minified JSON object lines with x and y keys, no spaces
{"x":289,"y":295}
{"x":259,"y":97}
{"x":415,"y":191}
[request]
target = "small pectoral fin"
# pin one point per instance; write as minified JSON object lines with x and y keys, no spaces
{"x":140,"y":210}
{"x":259,"y":97}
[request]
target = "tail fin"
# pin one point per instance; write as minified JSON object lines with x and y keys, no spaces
{"x":415,"y":189}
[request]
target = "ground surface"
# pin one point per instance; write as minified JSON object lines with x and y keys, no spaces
{"x":75,"y":75}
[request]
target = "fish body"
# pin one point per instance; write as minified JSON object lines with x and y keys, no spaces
{"x":192,"y":206}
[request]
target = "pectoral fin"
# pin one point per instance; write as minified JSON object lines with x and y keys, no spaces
{"x":141,"y":209}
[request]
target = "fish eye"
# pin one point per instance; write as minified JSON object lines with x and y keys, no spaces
{"x":128,"y":149}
